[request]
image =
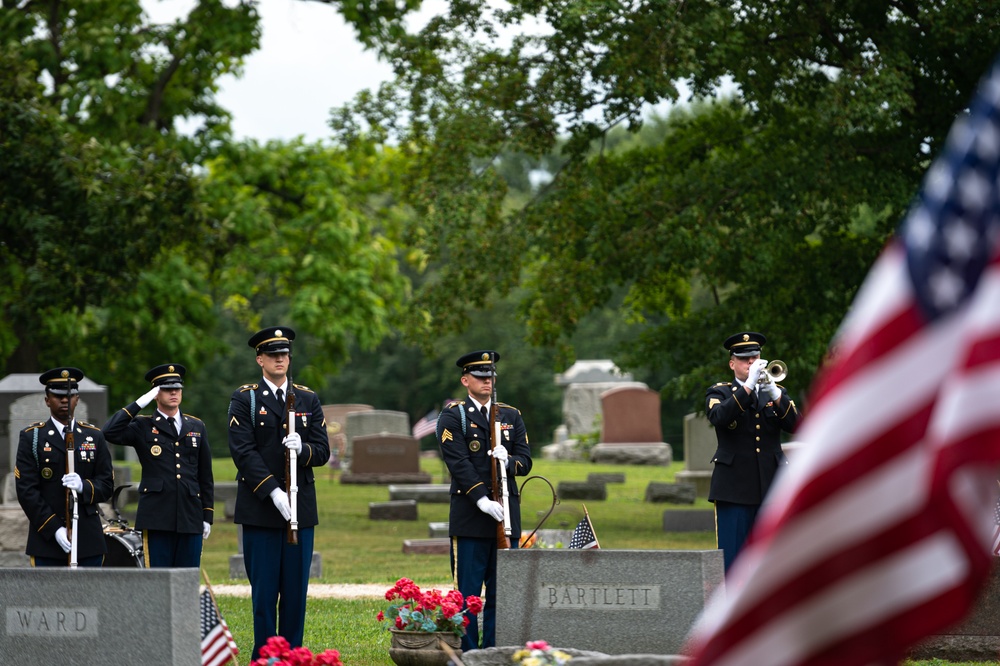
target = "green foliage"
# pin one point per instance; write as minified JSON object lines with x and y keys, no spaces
{"x":761,"y":211}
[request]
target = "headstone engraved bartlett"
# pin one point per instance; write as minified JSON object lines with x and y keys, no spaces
{"x":642,"y":601}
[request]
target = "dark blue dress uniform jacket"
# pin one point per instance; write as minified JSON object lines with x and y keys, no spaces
{"x":748,"y":428}
{"x":41,"y":463}
{"x":257,"y":424}
{"x":176,"y":493}
{"x":465,"y":453}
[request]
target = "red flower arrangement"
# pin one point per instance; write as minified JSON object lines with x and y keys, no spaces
{"x":426,"y":612}
{"x":277,"y":652}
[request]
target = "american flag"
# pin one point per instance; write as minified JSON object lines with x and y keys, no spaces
{"x":426,"y":425}
{"x":583,"y":536}
{"x":878,"y":533}
{"x":996,"y":529}
{"x":217,"y":644}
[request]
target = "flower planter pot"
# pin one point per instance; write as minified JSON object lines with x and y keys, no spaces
{"x":415,"y":648}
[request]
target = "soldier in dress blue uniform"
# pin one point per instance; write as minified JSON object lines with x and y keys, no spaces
{"x":748,"y":417}
{"x":176,"y":506}
{"x":463,"y":431}
{"x":42,"y":480}
{"x":258,"y":438}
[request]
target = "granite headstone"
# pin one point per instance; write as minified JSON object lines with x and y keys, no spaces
{"x":100,"y":616}
{"x":631,"y":431}
{"x":611,"y":601}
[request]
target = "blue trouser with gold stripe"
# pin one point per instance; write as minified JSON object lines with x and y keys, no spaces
{"x":474,"y":564}
{"x":733,"y":523}
{"x":279,"y":582}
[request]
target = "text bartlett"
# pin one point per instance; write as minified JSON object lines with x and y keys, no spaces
{"x":598,"y":596}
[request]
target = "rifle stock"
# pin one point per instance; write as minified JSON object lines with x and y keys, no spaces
{"x":498,"y":471}
{"x":291,"y":471}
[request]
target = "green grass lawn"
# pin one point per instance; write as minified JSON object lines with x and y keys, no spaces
{"x":357,"y":550}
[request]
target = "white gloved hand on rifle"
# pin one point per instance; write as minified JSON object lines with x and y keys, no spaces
{"x":280,"y":499}
{"x":147,"y":397}
{"x":73,"y":482}
{"x":500,"y":453}
{"x":755,"y":369}
{"x":293,"y":442}
{"x":62,"y":538}
{"x":490,"y":508}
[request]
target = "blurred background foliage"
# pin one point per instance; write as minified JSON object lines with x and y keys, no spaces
{"x":555,"y":180}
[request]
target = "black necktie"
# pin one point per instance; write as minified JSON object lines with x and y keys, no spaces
{"x":486,"y":414}
{"x":281,"y":396}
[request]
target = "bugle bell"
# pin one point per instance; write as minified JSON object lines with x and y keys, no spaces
{"x":774,"y":372}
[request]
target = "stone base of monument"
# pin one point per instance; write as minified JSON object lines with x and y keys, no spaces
{"x":380,"y":479}
{"x":437,"y":530}
{"x":438,"y":546}
{"x":641,"y":601}
{"x":977,"y":638}
{"x":700,"y":480}
{"x":100,"y":616}
{"x":632,"y":454}
{"x":238,"y":569}
{"x":13,"y":535}
{"x":568,"y":449}
{"x":689,"y":520}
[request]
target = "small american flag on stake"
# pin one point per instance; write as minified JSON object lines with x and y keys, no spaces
{"x":426,"y":425}
{"x":217,"y":644}
{"x":583,"y":536}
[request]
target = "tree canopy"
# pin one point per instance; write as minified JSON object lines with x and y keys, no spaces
{"x":126,"y":242}
{"x":762,"y":207}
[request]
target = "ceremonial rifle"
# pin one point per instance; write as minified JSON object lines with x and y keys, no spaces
{"x":498,"y":470}
{"x":72,"y":506}
{"x":292,"y":471}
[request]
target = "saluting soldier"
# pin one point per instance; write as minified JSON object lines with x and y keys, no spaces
{"x":463,"y":432}
{"x":176,"y":493}
{"x":41,"y":478}
{"x":748,"y":417}
{"x":258,"y":437}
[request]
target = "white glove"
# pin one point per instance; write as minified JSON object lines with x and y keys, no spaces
{"x":63,"y":539}
{"x":755,"y":370}
{"x":490,"y":508}
{"x":500,"y":453}
{"x":206,"y":529}
{"x":147,"y":397}
{"x":280,"y":499}
{"x":293,"y":442}
{"x":772,"y":390}
{"x":73,"y":482}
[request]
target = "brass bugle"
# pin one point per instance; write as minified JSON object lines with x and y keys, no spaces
{"x":774,"y":372}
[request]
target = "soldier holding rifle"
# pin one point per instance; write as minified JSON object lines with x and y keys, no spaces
{"x":476,"y":517}
{"x":259,"y":440}
{"x":43,"y":482}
